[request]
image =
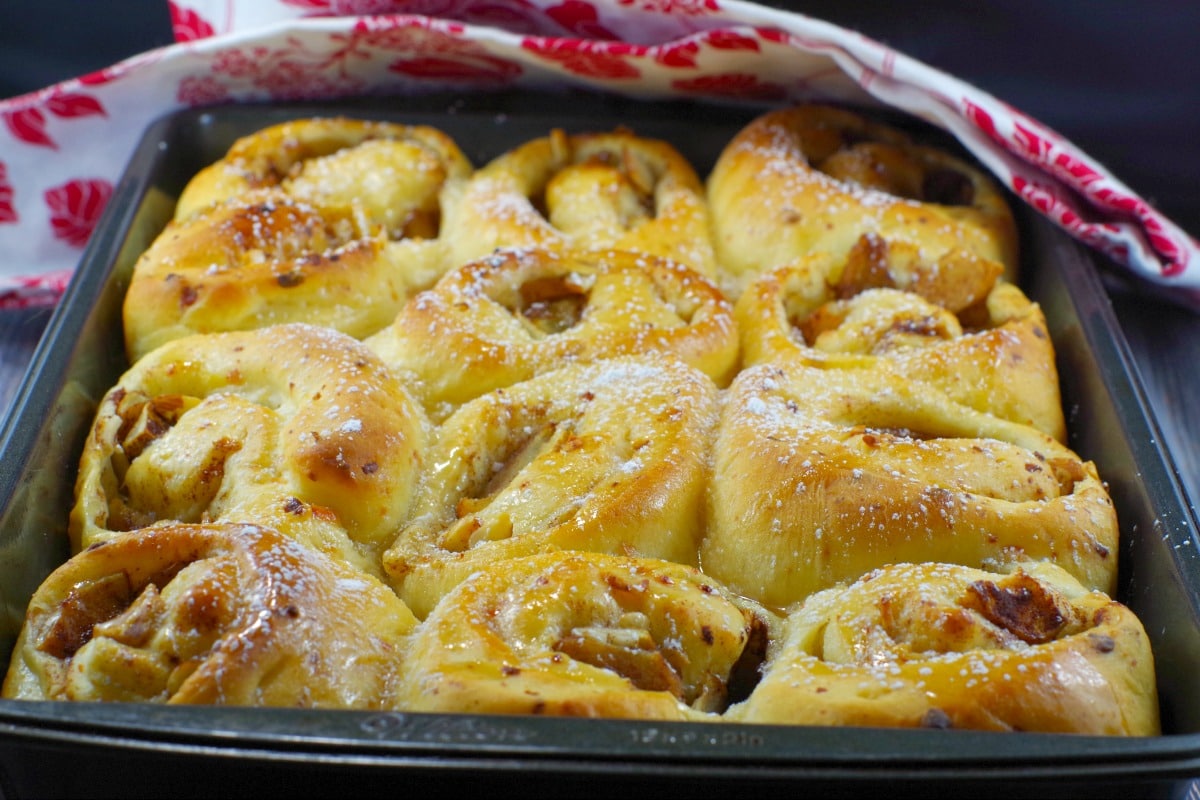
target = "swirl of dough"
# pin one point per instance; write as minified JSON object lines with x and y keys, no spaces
{"x":599,"y":190}
{"x":335,"y":222}
{"x":394,"y":173}
{"x":586,"y":635}
{"x":211,"y":614}
{"x":947,"y":646}
{"x":294,"y":426}
{"x":609,"y":456}
{"x":518,"y":313}
{"x":994,"y":354}
{"x":265,"y":258}
{"x":815,"y":178}
{"x":820,"y":475}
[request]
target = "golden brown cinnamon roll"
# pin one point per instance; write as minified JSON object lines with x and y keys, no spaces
{"x":945,"y":646}
{"x":210,"y":614}
{"x":603,"y":457}
{"x":820,"y":475}
{"x":584,"y":191}
{"x":265,"y":259}
{"x":334,"y":222}
{"x":819,"y":179}
{"x":394,"y":173}
{"x":518,"y":313}
{"x":586,"y":635}
{"x":990,"y":351}
{"x":293,"y":426}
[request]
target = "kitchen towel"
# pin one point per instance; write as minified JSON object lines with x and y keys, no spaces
{"x":63,"y":148}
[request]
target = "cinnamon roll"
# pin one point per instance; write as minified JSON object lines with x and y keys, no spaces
{"x":990,"y":350}
{"x":210,"y":614}
{"x":265,"y":259}
{"x":334,"y":222}
{"x":296,"y":427}
{"x":818,"y":179}
{"x":394,"y":173}
{"x":945,"y":646}
{"x":606,"y":190}
{"x":518,"y":313}
{"x":606,"y":457}
{"x":586,"y":635}
{"x":820,"y":475}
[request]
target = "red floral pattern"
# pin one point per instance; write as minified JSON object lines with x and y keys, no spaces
{"x":516,"y":16}
{"x":413,"y":33}
{"x":74,"y":104}
{"x":680,"y":7}
{"x":696,"y":48}
{"x":1047,"y":151}
{"x":440,"y":53}
{"x":75,"y":208}
{"x":99,"y":77}
{"x":589,"y":59}
{"x":29,"y":126}
{"x":31,"y":292}
{"x":731,"y":40}
{"x":187,"y":25}
{"x":678,"y":56}
{"x":773,"y":35}
{"x":8,"y":213}
{"x":292,"y":72}
{"x":201,"y":91}
{"x":579,"y":19}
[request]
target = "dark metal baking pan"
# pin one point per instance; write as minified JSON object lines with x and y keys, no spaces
{"x":136,"y":750}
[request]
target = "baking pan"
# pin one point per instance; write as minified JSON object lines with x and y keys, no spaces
{"x":129,"y":750}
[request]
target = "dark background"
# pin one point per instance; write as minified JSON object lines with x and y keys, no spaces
{"x":1119,"y":78}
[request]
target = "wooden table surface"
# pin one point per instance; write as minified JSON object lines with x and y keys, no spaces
{"x":1165,"y":341}
{"x":20,"y":332}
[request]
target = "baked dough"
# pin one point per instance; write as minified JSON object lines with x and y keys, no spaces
{"x":818,"y":178}
{"x":592,"y":190}
{"x":335,"y":222}
{"x":578,"y":434}
{"x":263,"y":259}
{"x":944,"y":646}
{"x":586,"y":635}
{"x":518,"y":313}
{"x":605,"y":457}
{"x":990,"y":351}
{"x":294,"y":426}
{"x":394,"y":173}
{"x":210,"y":614}
{"x":820,"y":475}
